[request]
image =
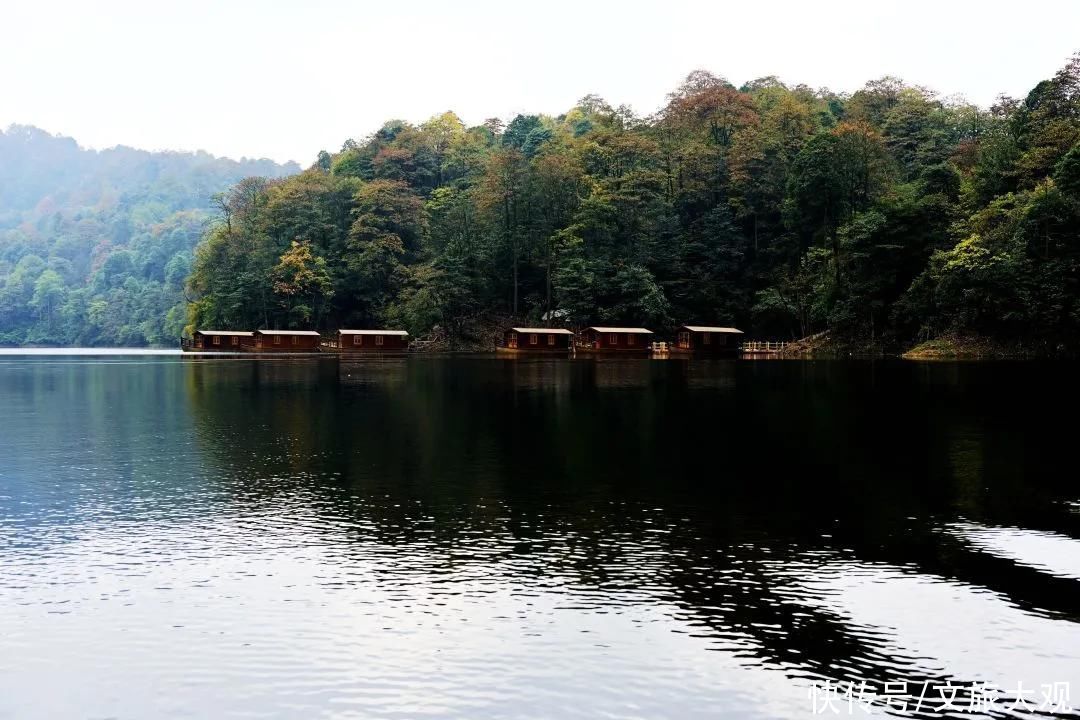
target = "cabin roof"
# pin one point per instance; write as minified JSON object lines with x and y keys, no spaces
{"x":630,"y":330}
{"x":286,"y":332}
{"x":403,"y":333}
{"x":708,"y":328}
{"x":229,"y":333}
{"x":542,"y":331}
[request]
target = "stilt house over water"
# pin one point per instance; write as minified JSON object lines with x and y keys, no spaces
{"x":287,"y":341}
{"x":601,"y":338}
{"x":221,"y":340}
{"x":372,"y":341}
{"x":536,"y":340}
{"x":707,"y":339}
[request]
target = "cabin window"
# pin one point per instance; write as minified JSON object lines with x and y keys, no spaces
{"x":631,"y":339}
{"x":295,"y":339}
{"x":217,"y":339}
{"x":551,"y":339}
{"x":511,"y":340}
{"x":722,"y":340}
{"x":357,"y":339}
{"x":613,"y":339}
{"x":236,"y":341}
{"x":277,"y":339}
{"x":706,"y":338}
{"x":532,"y":339}
{"x":684,"y":340}
{"x":378,"y":339}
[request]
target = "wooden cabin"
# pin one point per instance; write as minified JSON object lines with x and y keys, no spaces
{"x":286,"y":341}
{"x":615,"y":339}
{"x":372,"y":341}
{"x":219,"y":341}
{"x":536,"y":340}
{"x":707,"y":340}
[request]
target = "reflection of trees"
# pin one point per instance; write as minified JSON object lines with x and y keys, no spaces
{"x":82,"y":439}
{"x":704,"y":493}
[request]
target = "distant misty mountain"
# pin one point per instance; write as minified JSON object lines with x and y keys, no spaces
{"x":95,"y":244}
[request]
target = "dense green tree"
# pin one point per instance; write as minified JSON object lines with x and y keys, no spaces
{"x":1067,"y":173}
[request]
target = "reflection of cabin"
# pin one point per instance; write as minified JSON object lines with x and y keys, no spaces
{"x":372,"y":341}
{"x":615,"y":339}
{"x":536,"y":340}
{"x":220,"y":341}
{"x":707,"y":340}
{"x":286,"y":341}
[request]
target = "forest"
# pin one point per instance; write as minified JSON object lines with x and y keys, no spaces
{"x":95,"y":247}
{"x":883,"y":217}
{"x":879,"y":218}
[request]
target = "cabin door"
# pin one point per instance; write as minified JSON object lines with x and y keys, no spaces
{"x":684,"y":340}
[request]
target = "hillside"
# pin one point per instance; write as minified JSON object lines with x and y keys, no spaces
{"x":884,"y":216}
{"x":95,"y":245}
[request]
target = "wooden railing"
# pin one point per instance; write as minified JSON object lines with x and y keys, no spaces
{"x":763,"y":346}
{"x":422,"y":343}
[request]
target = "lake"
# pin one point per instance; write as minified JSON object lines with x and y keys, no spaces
{"x":473,"y":537}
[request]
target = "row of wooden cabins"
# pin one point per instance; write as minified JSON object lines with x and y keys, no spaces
{"x":297,"y":341}
{"x":689,"y":340}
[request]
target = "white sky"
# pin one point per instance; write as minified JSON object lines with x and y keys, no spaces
{"x":286,"y":79}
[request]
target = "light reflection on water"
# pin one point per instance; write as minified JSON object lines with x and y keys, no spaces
{"x":431,"y":537}
{"x":1049,"y":552}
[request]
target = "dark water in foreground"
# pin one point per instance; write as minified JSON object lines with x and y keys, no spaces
{"x":475,"y":538}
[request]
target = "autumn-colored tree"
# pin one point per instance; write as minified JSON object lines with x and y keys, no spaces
{"x":301,"y":281}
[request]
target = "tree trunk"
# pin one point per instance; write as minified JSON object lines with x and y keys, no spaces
{"x":547,"y":280}
{"x":513,"y":248}
{"x":547,"y":299}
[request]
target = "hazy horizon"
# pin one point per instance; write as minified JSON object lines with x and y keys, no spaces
{"x":280,"y":82}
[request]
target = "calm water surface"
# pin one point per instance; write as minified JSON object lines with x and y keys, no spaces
{"x":481,"y":538}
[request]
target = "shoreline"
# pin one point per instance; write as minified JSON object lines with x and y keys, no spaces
{"x":917,"y":354}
